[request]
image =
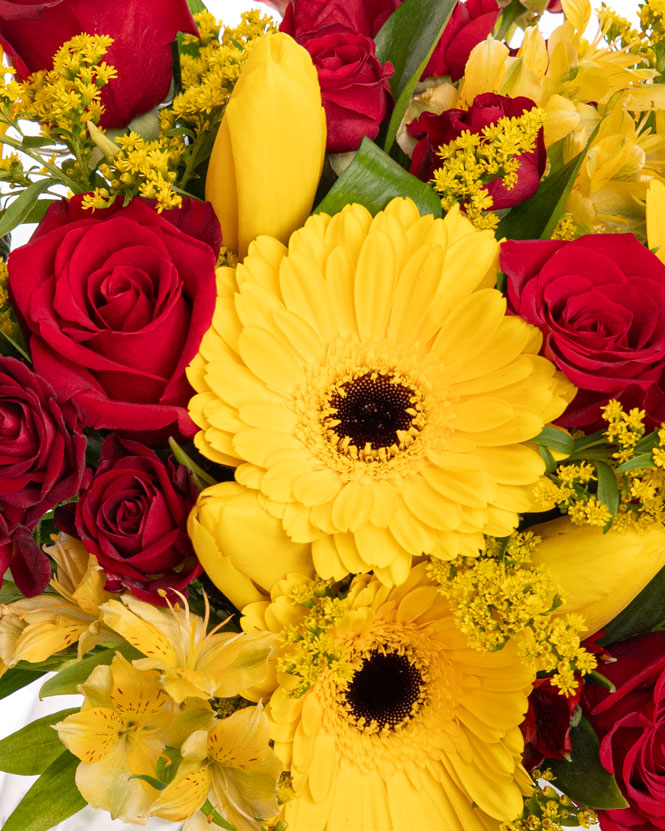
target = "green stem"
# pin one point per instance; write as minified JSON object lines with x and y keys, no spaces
{"x":55,"y":171}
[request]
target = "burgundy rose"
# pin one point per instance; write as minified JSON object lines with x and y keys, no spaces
{"x":354,"y":86}
{"x":434,"y":130}
{"x":469,"y":24}
{"x":32,"y":31}
{"x":546,"y":727}
{"x":133,"y":518}
{"x":114,"y":304}
{"x":600,"y":304}
{"x":630,"y":724}
{"x":42,"y":460}
{"x":362,"y":17}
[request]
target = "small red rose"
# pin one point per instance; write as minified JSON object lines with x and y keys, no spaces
{"x":469,"y":24}
{"x":133,"y":518}
{"x":33,"y":31}
{"x":114,"y":304}
{"x":600,"y":303}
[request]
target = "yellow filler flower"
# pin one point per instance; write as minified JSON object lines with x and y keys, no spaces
{"x":387,"y":719}
{"x":268,"y":155}
{"x":368,"y":384}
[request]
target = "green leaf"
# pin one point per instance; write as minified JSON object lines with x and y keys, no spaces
{"x":608,"y":490}
{"x":548,"y":458}
{"x":20,"y":208}
{"x":53,"y":798}
{"x":373,"y":179}
{"x":643,"y":614}
{"x":407,"y":39}
{"x":643,"y":460}
{"x":209,"y":811}
{"x":201,"y":478}
{"x":196,"y":6}
{"x":37,"y":141}
{"x":14,"y":345}
{"x":555,"y":440}
{"x":647,"y":442}
{"x":33,"y":748}
{"x":584,"y":779}
{"x":599,"y":680}
{"x":66,"y":682}
{"x":15,"y":679}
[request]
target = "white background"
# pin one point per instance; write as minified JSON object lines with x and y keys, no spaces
{"x":23,"y":706}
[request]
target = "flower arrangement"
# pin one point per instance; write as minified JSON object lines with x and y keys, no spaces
{"x":332,"y":414}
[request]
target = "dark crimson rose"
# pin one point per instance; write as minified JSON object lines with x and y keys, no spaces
{"x":133,"y":518}
{"x":630,"y":724}
{"x":114,"y":304}
{"x":42,"y":460}
{"x":32,"y":32}
{"x":354,"y":86}
{"x":469,"y":24}
{"x":434,"y":130}
{"x":600,"y":303}
{"x":546,"y":727}
{"x":362,"y":17}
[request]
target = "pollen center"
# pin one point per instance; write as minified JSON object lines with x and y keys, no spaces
{"x":373,"y":415}
{"x":385,"y":691}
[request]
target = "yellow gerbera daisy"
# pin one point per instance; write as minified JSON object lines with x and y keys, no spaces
{"x":402,"y":725}
{"x":369,"y":384}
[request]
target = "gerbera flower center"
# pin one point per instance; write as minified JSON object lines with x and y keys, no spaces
{"x":372,"y":415}
{"x":385,"y":691}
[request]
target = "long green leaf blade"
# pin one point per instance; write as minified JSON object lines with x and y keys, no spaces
{"x":66,"y":682}
{"x":20,"y":208}
{"x":53,"y":798}
{"x":373,"y":179}
{"x":407,"y":39}
{"x":30,"y":750}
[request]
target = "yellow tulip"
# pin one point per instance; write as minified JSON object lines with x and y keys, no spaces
{"x":655,"y":214}
{"x":243,"y":549}
{"x":598,"y":574}
{"x":268,"y":155}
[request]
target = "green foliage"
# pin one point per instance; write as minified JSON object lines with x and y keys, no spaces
{"x":31,"y":750}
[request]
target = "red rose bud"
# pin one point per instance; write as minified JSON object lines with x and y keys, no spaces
{"x":546,"y":728}
{"x":600,"y":303}
{"x":354,"y":86}
{"x":133,"y":518}
{"x":469,"y":24}
{"x":32,"y":32}
{"x":361,"y":17}
{"x":435,"y":130}
{"x":630,"y":725}
{"x":42,"y":461}
{"x":114,"y":304}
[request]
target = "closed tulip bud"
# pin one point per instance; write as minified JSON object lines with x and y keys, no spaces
{"x":268,"y":155}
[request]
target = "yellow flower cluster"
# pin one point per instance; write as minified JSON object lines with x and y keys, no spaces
{"x":548,"y":810}
{"x":474,"y":159}
{"x":7,"y":322}
{"x":65,"y":98}
{"x":146,"y":168}
{"x":652,"y":19}
{"x":307,"y":648}
{"x":566,"y":229}
{"x":501,"y":596}
{"x":210,"y":70}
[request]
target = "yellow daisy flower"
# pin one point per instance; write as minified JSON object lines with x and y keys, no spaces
{"x":404,"y":726}
{"x":370,"y":386}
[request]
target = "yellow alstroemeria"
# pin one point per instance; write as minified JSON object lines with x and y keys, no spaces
{"x":118,"y":735}
{"x":232,"y":765}
{"x":656,"y":218}
{"x":236,"y":541}
{"x":268,"y":155}
{"x":34,"y":628}
{"x":598,"y":574}
{"x":190,"y":662}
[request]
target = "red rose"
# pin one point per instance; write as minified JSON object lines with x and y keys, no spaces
{"x":114,"y":304}
{"x":133,"y":518}
{"x":32,"y":32}
{"x":546,"y":726}
{"x":469,"y":24}
{"x":42,"y":460}
{"x":361,"y":17}
{"x":631,"y":726}
{"x":434,"y":130}
{"x":354,"y":86}
{"x":600,"y":304}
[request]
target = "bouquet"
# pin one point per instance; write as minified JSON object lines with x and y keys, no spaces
{"x":332,"y":414}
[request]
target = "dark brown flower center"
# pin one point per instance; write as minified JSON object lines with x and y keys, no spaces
{"x":372,"y":409}
{"x":384,"y":690}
